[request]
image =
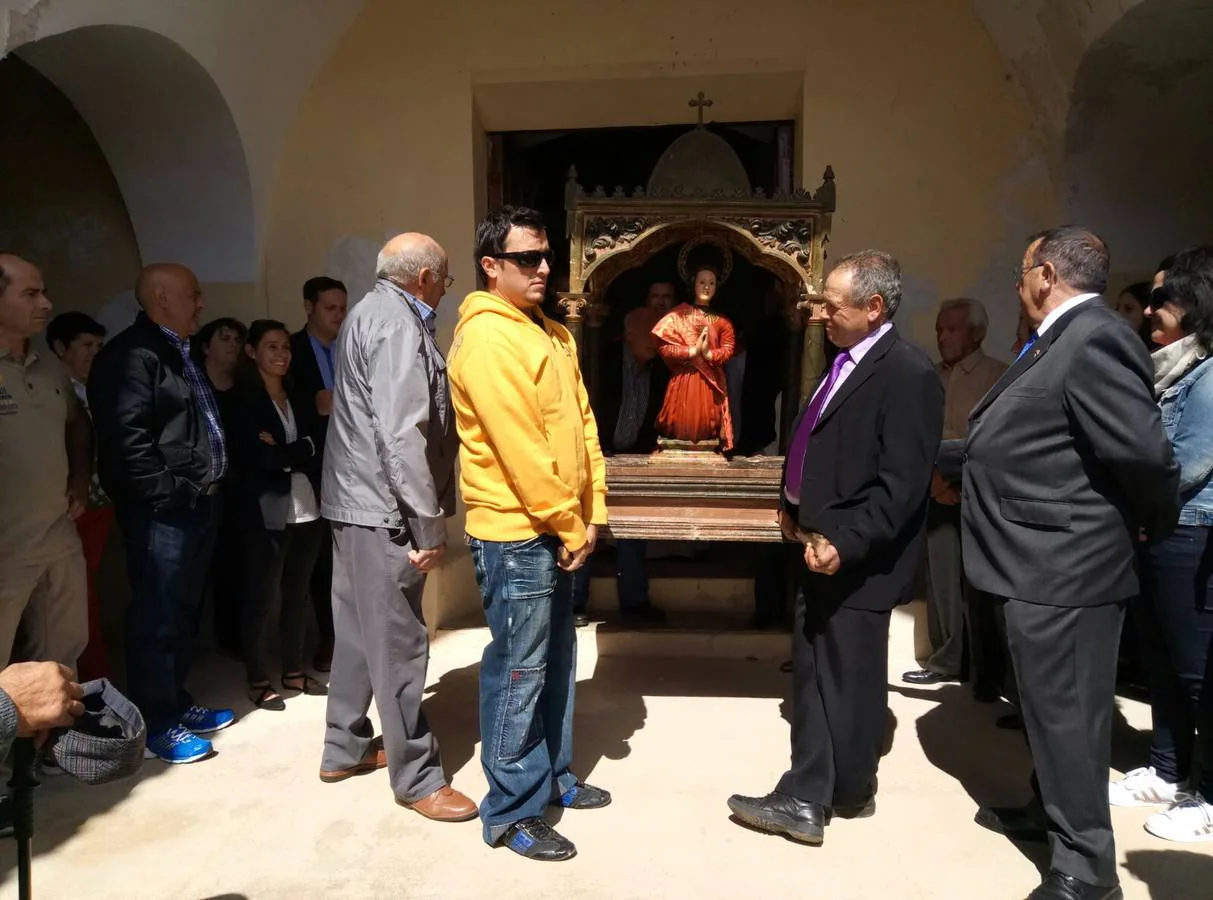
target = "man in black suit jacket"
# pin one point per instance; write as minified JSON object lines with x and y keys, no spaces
{"x":1066,"y":461}
{"x":856,"y":485}
{"x":326,"y":302}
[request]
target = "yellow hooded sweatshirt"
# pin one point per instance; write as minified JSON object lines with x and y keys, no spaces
{"x":530,"y":461}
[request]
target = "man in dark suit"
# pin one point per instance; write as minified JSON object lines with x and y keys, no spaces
{"x":856,"y":485}
{"x":1065,"y":463}
{"x":325,"y":301}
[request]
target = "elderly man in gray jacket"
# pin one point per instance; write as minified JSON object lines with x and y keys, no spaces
{"x":388,"y":487}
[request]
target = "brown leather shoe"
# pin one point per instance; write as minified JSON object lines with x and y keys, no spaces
{"x":444,"y":805}
{"x":374,"y":759}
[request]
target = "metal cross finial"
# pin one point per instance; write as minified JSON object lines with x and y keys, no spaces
{"x":701,"y":103}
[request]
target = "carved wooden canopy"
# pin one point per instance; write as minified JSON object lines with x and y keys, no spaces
{"x":784,"y":233}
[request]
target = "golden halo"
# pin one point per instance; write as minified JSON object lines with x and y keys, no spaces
{"x":726,"y":258}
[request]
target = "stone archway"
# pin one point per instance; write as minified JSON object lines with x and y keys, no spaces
{"x":171,"y":143}
{"x":1139,"y":135}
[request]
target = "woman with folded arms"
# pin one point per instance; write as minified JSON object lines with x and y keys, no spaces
{"x":279,"y":462}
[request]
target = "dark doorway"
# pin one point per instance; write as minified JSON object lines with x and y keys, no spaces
{"x":530,"y":168}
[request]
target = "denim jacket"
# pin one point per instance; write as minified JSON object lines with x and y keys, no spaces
{"x":1187,"y":417}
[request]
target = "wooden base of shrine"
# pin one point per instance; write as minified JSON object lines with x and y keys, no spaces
{"x":695,"y":449}
{"x":675,"y":495}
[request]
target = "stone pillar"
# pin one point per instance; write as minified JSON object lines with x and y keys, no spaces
{"x":813,"y":361}
{"x":574,"y":306}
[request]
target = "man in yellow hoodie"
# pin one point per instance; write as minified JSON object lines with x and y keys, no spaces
{"x":534,"y":483}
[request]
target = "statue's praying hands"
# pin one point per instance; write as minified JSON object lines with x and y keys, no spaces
{"x":701,"y":345}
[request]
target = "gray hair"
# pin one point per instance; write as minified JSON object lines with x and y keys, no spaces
{"x":979,"y":320}
{"x":405,"y":267}
{"x":874,"y":272}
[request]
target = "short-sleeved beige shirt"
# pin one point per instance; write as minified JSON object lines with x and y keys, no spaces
{"x":36,"y":403}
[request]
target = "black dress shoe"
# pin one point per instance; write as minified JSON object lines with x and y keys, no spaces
{"x":536,"y":839}
{"x":580,"y":620}
{"x":986,"y":694}
{"x":926,"y":676}
{"x":1019,"y":823}
{"x":1009,"y":722}
{"x":643,"y":615}
{"x":1059,"y":886}
{"x":778,"y":813}
{"x":864,"y":810}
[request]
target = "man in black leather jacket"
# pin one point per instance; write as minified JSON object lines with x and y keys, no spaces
{"x":161,"y":455}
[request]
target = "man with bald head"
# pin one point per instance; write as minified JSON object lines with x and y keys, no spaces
{"x":43,"y":590}
{"x":161,"y":456}
{"x":388,"y":488}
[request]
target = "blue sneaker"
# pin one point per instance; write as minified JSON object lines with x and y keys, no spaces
{"x":177,"y":745}
{"x":201,"y":720}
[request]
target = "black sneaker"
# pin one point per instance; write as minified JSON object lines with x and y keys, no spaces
{"x":583,"y":796}
{"x":536,"y":839}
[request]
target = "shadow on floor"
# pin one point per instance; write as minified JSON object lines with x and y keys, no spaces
{"x":1172,"y":874}
{"x":994,"y":766}
{"x":610,"y":707}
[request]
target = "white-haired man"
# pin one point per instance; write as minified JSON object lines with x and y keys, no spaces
{"x":388,"y":488}
{"x":967,"y":373}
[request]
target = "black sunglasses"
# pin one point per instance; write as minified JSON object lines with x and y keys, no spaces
{"x":529,"y":259}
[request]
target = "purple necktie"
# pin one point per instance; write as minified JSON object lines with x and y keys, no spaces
{"x":812,"y":415}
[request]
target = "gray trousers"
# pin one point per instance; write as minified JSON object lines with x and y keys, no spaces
{"x":945,"y":590}
{"x":381,"y":649}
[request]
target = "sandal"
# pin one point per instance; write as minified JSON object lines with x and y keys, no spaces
{"x":304,"y":684}
{"x":264,"y":696}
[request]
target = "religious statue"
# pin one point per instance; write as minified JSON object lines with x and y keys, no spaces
{"x":695,"y":343}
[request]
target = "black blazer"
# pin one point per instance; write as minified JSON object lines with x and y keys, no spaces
{"x":305,"y":375}
{"x":867,"y":476}
{"x":609,"y":398}
{"x":263,"y":487}
{"x":152,"y":444}
{"x":1065,"y":460}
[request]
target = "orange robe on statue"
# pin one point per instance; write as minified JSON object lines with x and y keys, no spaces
{"x":696,"y":404}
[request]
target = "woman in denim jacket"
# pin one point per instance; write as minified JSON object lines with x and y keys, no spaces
{"x":1175,"y":612}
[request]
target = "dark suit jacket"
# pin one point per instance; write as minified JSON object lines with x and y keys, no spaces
{"x":305,"y":375}
{"x":867,"y":476}
{"x":263,"y":486}
{"x":609,"y":398}
{"x":1066,"y":459}
{"x":152,"y":444}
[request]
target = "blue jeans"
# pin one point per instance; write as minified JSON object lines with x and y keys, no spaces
{"x":168,"y":554}
{"x":1175,"y":620}
{"x":527,"y":679}
{"x":631,"y":579}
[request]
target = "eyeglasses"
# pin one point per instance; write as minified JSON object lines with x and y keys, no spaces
{"x":1020,"y":273}
{"x":448,"y":279}
{"x":529,"y":259}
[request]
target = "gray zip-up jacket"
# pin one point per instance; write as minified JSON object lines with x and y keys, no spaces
{"x":389,"y":458}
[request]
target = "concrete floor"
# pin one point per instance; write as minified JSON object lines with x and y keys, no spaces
{"x":670,"y":738}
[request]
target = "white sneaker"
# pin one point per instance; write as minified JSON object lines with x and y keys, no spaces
{"x":1142,"y":787}
{"x":1189,"y":821}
